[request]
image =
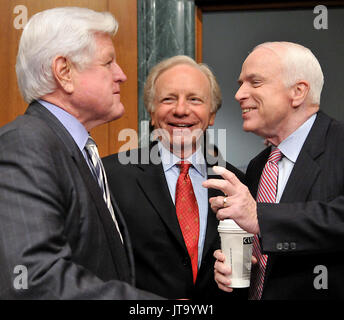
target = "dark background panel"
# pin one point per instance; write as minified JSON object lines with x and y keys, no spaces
{"x":229,"y":36}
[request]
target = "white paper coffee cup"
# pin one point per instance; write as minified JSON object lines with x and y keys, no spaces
{"x":236,"y":245}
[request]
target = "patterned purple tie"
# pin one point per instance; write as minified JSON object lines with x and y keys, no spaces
{"x":267,"y":191}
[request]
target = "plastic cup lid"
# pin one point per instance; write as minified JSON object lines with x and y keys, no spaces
{"x":228,"y":224}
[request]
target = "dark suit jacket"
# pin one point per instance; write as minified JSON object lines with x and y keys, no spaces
{"x":306,"y":229}
{"x":162,"y":262}
{"x":53,"y":219}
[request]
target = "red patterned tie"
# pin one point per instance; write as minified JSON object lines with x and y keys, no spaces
{"x":187,"y":213}
{"x":267,"y":191}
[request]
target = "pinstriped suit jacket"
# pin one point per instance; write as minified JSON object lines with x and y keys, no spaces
{"x":306,"y":228}
{"x":53,"y":219}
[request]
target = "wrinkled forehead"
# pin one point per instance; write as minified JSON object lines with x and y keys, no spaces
{"x":188,"y":75}
{"x":104,"y":43}
{"x":181,"y":67}
{"x":263,"y":60}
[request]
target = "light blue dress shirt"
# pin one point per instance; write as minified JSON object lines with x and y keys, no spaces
{"x":198,"y":174}
{"x":290,"y":148}
{"x":72,"y":125}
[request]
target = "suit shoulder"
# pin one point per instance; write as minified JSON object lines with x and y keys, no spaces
{"x":337,"y":128}
{"x":29,"y":131}
{"x":330,"y":126}
{"x":122,"y":161}
{"x":25,"y":123}
{"x":122,"y":158}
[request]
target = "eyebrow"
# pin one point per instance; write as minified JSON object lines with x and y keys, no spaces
{"x":251,"y":76}
{"x":112,"y":55}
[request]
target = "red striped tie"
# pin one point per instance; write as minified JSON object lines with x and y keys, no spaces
{"x":267,"y":191}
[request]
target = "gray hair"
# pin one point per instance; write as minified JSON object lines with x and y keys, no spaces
{"x":299,"y":63}
{"x":157,"y":70}
{"x":65,"y":31}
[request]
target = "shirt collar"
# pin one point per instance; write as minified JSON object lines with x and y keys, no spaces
{"x":291,"y":146}
{"x":169,"y":159}
{"x":72,"y":124}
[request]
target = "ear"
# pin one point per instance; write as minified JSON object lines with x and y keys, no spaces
{"x":152,"y":119}
{"x":212,"y":119}
{"x":299,"y":92}
{"x":62,"y":70}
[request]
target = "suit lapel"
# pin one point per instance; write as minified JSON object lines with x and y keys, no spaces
{"x":253,"y":173}
{"x":37,"y":110}
{"x":301,"y":179}
{"x":306,"y":169}
{"x":153,"y":184}
{"x":126,"y":239}
{"x":119,"y":256}
{"x":211,"y":235}
{"x":116,"y":248}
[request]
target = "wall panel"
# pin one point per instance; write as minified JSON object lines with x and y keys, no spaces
{"x":12,"y":103}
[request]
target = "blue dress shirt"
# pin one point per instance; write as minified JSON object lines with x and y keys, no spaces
{"x":72,"y":125}
{"x":198,"y":174}
{"x":290,"y":148}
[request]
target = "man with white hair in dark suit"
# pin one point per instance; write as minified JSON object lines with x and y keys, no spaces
{"x":57,"y":220}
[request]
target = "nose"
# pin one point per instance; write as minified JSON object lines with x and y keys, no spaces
{"x":242,"y":93}
{"x":181,"y":107}
{"x":119,"y":75}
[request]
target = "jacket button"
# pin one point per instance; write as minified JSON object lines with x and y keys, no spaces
{"x":279,"y":246}
{"x":285,"y":245}
{"x":292,"y":245}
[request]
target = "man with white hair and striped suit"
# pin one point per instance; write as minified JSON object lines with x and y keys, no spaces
{"x":57,"y":220}
{"x":294,"y":203}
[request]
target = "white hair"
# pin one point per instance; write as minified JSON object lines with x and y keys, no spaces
{"x":299,"y":63}
{"x":65,"y":31}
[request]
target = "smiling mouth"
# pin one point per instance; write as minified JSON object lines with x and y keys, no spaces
{"x":181,"y":125}
{"x":246,"y":110}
